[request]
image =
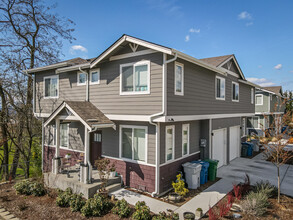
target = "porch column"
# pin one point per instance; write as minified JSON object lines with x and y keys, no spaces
{"x":87,"y":169}
{"x":56,"y":160}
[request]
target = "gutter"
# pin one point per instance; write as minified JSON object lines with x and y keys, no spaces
{"x":157,"y":125}
{"x":87,"y":83}
{"x":72,"y":68}
{"x":53,"y":66}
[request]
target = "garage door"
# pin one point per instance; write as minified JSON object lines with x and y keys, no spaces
{"x":219,"y":146}
{"x":234,"y":142}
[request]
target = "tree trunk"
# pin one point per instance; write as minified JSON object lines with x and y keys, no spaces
{"x":14,"y":163}
{"x":3,"y":123}
{"x":279,"y":185}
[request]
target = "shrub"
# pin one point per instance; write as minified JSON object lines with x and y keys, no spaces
{"x":142,"y":212}
{"x":121,"y":208}
{"x":237,"y":191}
{"x":96,"y":206}
{"x":255,"y":203}
{"x":171,"y":215}
{"x":76,"y":202}
{"x":267,"y":188}
{"x":212,"y":214}
{"x":63,"y":198}
{"x":179,"y":186}
{"x":23,"y":187}
{"x":224,"y":208}
{"x":37,"y":189}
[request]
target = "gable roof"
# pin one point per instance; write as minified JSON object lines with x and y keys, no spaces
{"x":86,"y":112}
{"x":216,"y":61}
{"x":275,"y":89}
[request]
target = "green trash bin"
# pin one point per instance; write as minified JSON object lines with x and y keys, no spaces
{"x":212,"y":169}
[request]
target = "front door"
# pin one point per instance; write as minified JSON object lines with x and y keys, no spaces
{"x":95,"y":146}
{"x":219,"y":146}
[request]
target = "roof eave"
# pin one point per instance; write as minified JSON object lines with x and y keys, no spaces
{"x":44,"y":68}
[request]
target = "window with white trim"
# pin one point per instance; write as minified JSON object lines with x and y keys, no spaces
{"x":170,"y":142}
{"x":179,"y":79}
{"x":51,"y":86}
{"x":133,"y":140}
{"x":135,"y":78}
{"x":185,"y":139}
{"x":252,"y":96}
{"x":81,"y":79}
{"x":259,"y":99}
{"x":64,"y":133}
{"x":220,"y":88}
{"x":95,"y":76}
{"x":235,"y":91}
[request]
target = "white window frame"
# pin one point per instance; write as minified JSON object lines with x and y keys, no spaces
{"x":236,"y":100}
{"x":252,"y":96}
{"x":78,"y":83}
{"x":50,"y":77}
{"x":53,"y":127}
{"x":173,"y":150}
{"x":63,"y":147}
{"x":182,"y":84}
{"x":145,"y":62}
{"x":188,"y":139}
{"x":146,"y":143}
{"x":221,"y":78}
{"x":261,"y":95}
{"x":99,"y":76}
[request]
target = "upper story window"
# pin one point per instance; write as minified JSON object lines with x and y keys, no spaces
{"x":252,"y":96}
{"x":95,"y":76}
{"x":170,"y":142}
{"x":133,"y":142}
{"x":259,"y":99}
{"x":185,"y":139}
{"x":235,"y":91}
{"x":64,"y":133}
{"x":220,"y":88}
{"x":179,"y":79}
{"x":135,"y":78}
{"x":51,"y":86}
{"x":81,"y":79}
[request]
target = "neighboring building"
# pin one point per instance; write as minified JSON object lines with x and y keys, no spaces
{"x":145,"y":106}
{"x":269,"y":108}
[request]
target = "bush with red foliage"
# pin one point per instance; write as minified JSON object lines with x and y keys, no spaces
{"x":213,"y":215}
{"x":237,"y":190}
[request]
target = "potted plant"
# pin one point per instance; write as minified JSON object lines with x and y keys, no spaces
{"x":188,"y":216}
{"x":112,"y":170}
{"x":198,"y":213}
{"x":67,"y":156}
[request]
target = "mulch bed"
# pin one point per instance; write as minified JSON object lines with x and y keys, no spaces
{"x":31,"y":207}
{"x":192,"y":193}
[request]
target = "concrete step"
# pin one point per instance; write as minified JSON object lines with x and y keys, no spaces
{"x":113,"y":187}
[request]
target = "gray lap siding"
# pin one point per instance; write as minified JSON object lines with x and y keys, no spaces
{"x":106,"y":95}
{"x":199,"y":93}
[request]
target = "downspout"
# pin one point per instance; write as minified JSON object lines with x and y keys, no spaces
{"x":43,"y":145}
{"x":157,"y":125}
{"x":87,"y":84}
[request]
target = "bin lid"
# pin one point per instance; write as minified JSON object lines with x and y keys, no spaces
{"x":192,"y":165}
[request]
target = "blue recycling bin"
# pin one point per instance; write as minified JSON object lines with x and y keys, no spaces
{"x":249,"y":147}
{"x":204,"y":170}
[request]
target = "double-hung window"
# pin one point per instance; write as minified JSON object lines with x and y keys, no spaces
{"x":95,"y":76}
{"x":220,"y":88}
{"x":64,"y":132}
{"x":185,"y":139}
{"x":133,"y":142}
{"x":81,"y":79}
{"x":252,"y":95}
{"x":135,"y":78}
{"x":259,"y":99}
{"x":170,"y":142}
{"x":179,"y":79}
{"x":51,"y":87}
{"x":235,"y":92}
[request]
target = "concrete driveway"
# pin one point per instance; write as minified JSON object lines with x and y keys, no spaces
{"x":258,"y":169}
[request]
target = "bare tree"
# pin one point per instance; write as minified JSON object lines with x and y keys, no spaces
{"x":32,"y":36}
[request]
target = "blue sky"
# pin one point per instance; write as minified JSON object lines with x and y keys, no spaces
{"x":259,"y":33}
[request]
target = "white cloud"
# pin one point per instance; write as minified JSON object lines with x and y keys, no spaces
{"x":244,"y":16}
{"x":187,"y":38}
{"x":75,"y":48}
{"x":193,"y":30}
{"x":261,"y":81}
{"x":278,"y":67}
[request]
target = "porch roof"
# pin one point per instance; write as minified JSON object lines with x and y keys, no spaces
{"x":85,"y":112}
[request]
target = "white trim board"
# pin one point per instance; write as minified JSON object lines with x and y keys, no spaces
{"x":133,"y":54}
{"x":129,"y":161}
{"x":180,"y":158}
{"x":64,"y":148}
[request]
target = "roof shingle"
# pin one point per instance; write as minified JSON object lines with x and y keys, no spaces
{"x":216,"y":61}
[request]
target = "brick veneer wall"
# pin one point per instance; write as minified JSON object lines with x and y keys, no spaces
{"x":49,"y":153}
{"x":137,"y":176}
{"x":168,"y":172}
